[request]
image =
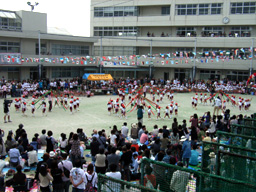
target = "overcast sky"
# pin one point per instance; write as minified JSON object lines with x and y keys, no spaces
{"x":74,"y":15}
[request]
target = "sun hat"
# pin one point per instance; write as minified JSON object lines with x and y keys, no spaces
{"x":51,"y":154}
{"x":183,"y":138}
{"x":212,"y":155}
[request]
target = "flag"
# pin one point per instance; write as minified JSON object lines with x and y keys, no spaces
{"x":202,"y":60}
{"x":221,"y":52}
{"x":166,"y":62}
{"x":172,"y":62}
{"x":176,"y":62}
{"x":206,"y":53}
{"x":114,"y":63}
{"x":228,"y":53}
{"x":162,"y":62}
{"x":133,"y":62}
{"x":85,"y":62}
{"x":242,"y":49}
{"x":186,"y":61}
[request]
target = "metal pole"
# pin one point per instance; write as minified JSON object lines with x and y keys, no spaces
{"x":101,"y":54}
{"x":39,"y":54}
{"x":251,"y":72}
{"x":151,"y":48}
{"x":194,"y":67}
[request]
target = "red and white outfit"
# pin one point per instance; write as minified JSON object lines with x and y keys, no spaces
{"x":33,"y":108}
{"x":71,"y":106}
{"x":24,"y":107}
{"x":43,"y":107}
{"x":176,"y":109}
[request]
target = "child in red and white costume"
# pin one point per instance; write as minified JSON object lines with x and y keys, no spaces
{"x":24,"y":108}
{"x":23,"y":99}
{"x":196,"y":96}
{"x":33,"y":98}
{"x":171,"y":96}
{"x":176,"y":108}
{"x":201,"y":98}
{"x":123,"y":111}
{"x":71,"y":107}
{"x":240,"y":104}
{"x":205,"y":99}
{"x":133,"y":103}
{"x":224,"y":105}
{"x":171,"y":110}
{"x":149,"y":112}
{"x":77,"y":103}
{"x":61,"y":99}
{"x":158,"y":113}
{"x":56,"y":101}
{"x":195,"y":103}
{"x":153,"y":97}
{"x":74,"y":105}
{"x":117,"y":109}
{"x":157,"y":102}
{"x":167,"y":112}
{"x":44,"y":108}
{"x":109,"y":107}
{"x":33,"y":109}
{"x":16,"y":105}
{"x":65,"y":100}
{"x":161,"y":97}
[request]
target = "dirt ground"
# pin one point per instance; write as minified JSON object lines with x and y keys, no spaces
{"x":93,"y":114}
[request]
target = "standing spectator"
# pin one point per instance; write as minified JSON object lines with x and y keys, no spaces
{"x":56,"y":173}
{"x":45,"y":159}
{"x":114,"y":173}
{"x":113,"y":158}
{"x":100,"y":162}
{"x":43,"y":138}
{"x":174,"y":124}
{"x":50,"y":142}
{"x":77,"y":177}
{"x":124,"y":130}
{"x":19,"y":180}
{"x":6,"y":111}
{"x":135,"y":144}
{"x":102,"y":140}
{"x":19,"y":132}
{"x":90,"y":177}
{"x":194,"y":136}
{"x":194,"y":156}
{"x":75,"y":149}
{"x":63,"y":141}
{"x":194,"y":120}
{"x":45,"y":178}
{"x":186,"y":149}
{"x":95,"y":147}
{"x":68,"y":166}
{"x":125,"y":160}
{"x":179,"y":180}
{"x":113,"y":139}
{"x":140,"y":114}
{"x":164,"y":141}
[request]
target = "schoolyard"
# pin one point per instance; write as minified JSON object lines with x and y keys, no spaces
{"x":93,"y":114}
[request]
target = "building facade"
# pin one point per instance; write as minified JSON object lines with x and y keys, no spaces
{"x":60,"y":55}
{"x":220,"y":34}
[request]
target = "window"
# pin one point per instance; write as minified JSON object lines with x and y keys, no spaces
{"x":115,"y":11}
{"x":9,"y":21}
{"x":203,"y":9}
{"x":116,"y":51}
{"x":185,"y":31}
{"x":243,"y":31}
{"x":43,"y":49}
{"x":209,"y":74}
{"x":115,"y":31}
{"x":58,"y":49}
{"x":216,"y":8}
{"x":243,"y":8}
{"x":212,"y":31}
{"x":182,"y":74}
{"x":67,"y":72}
{"x":237,"y":76}
{"x":189,"y":9}
{"x":9,"y":47}
{"x":165,"y":10}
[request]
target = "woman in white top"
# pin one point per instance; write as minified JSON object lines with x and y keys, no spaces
{"x":45,"y":178}
{"x":63,"y":141}
{"x":91,"y":176}
{"x":114,"y":174}
{"x":100,"y":162}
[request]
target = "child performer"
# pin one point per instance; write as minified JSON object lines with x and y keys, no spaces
{"x":176,"y":108}
{"x":24,"y":108}
{"x":109,"y":107}
{"x":33,"y":109}
{"x":167,"y":112}
{"x":16,"y":104}
{"x":44,"y":108}
{"x":71,"y":107}
{"x":77,"y":103}
{"x":74,"y":105}
{"x":130,"y":95}
{"x":171,"y":110}
{"x":195,"y":103}
{"x":205,"y":99}
{"x":161,"y":97}
{"x":158,"y":113}
{"x":65,"y":100}
{"x":224,"y":105}
{"x":56,"y":101}
{"x":201,"y":98}
{"x":149,"y":112}
{"x":124,"y":112}
{"x":117,"y":109}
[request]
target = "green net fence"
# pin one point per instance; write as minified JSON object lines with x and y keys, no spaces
{"x":237,"y":139}
{"x":250,"y":122}
{"x":178,"y":179}
{"x":243,"y":129}
{"x":110,"y":184}
{"x":229,"y":161}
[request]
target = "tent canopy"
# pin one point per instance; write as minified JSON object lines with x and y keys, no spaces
{"x":86,"y":75}
{"x":99,"y":77}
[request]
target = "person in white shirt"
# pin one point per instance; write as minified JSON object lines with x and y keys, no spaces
{"x":68,"y":165}
{"x":92,"y":176}
{"x":32,"y":156}
{"x":124,"y":130}
{"x":217,"y":105}
{"x":77,"y":177}
{"x":114,"y":174}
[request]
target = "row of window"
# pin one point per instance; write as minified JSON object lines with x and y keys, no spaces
{"x":115,"y":31}
{"x":199,"y":9}
{"x":115,"y":11}
{"x":58,"y":49}
{"x":114,"y":51}
{"x":181,"y":9}
{"x":62,"y":72}
{"x":9,"y":47}
{"x":243,"y":31}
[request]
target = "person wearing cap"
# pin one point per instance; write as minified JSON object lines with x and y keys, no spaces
{"x":186,"y":149}
{"x":212,"y":162}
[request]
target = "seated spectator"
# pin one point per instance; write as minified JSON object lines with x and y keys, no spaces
{"x":9,"y":143}
{"x":144,"y":138}
{"x":45,"y":159}
{"x":113,"y":158}
{"x":19,"y":180}
{"x":155,"y":131}
{"x":135,"y":144}
{"x":77,"y":176}
{"x":155,"y":146}
{"x":32,"y":156}
{"x":34,"y":143}
{"x":63,"y":142}
{"x":14,"y":155}
{"x":194,"y":156}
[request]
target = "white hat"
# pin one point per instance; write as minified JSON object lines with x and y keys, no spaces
{"x":183,"y":138}
{"x":52,"y":154}
{"x":212,"y":155}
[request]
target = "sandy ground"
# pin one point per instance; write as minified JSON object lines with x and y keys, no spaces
{"x":93,"y":115}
